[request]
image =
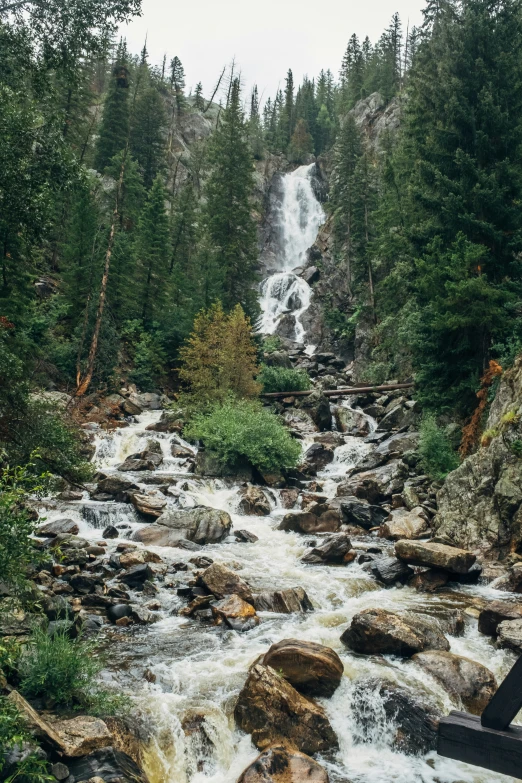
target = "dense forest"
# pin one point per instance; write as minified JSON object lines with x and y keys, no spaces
{"x":132,"y":211}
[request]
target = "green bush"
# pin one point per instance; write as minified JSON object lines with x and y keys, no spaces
{"x":438,"y":456}
{"x":14,"y":733}
{"x":271,"y":344}
{"x":282,"y":379}
{"x":243,"y":429}
{"x":63,"y":672}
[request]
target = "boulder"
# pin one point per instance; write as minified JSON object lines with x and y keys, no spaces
{"x":118,"y":611}
{"x":202,"y":525}
{"x":332,"y":549}
{"x":320,"y":519}
{"x":245,"y":536}
{"x":138,"y":556}
{"x":108,"y":765}
{"x":147,"y":400}
{"x":131,"y":464}
{"x":136,"y":576}
{"x":311,"y":668}
{"x":447,"y":558}
{"x":318,"y":455}
{"x":221,"y":581}
{"x":429,"y":581}
{"x":379,"y":632}
{"x":281,"y":765}
{"x":396,"y":418}
{"x":404,"y":524}
{"x":58,"y":526}
{"x":463,"y":678}
{"x":294,"y":599}
{"x":272,"y":711}
{"x":180,"y":450}
{"x":209,"y":464}
{"x":130,"y":408}
{"x":377,"y":485}
{"x":110,"y":532}
{"x":151,"y":504}
{"x":390,"y":570}
{"x":254,"y":502}
{"x":235,"y":613}
{"x":289,"y":497}
{"x":352,"y":422}
{"x":158,"y":535}
{"x":413,"y":721}
{"x":497,"y":612}
{"x":510,"y":635}
{"x":316,"y":405}
{"x":358,"y":512}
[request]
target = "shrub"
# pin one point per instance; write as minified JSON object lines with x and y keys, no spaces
{"x":272,"y":343}
{"x":438,"y":457}
{"x":283,"y":379}
{"x":243,"y":429}
{"x":64,"y":671}
{"x":14,"y":733}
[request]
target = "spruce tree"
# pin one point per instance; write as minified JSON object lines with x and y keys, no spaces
{"x":153,"y":253}
{"x":146,"y":139}
{"x":177,"y":80}
{"x":255,"y":131}
{"x":301,"y":143}
{"x":229,"y":191}
{"x":199,"y":101}
{"x":114,"y":128}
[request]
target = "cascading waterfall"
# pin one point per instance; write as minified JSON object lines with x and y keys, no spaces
{"x":298,"y":217}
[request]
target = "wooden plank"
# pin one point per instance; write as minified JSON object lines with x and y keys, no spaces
{"x":343,"y":391}
{"x":507,"y":701}
{"x":462,"y":737}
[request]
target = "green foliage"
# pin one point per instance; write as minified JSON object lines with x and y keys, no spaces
{"x":283,"y":379}
{"x":438,"y":456}
{"x":153,"y":252}
{"x":242,"y":429}
{"x":64,"y":672}
{"x":148,"y":355}
{"x":114,"y":128}
{"x":272,"y":343}
{"x":13,"y":734}
{"x":146,"y":136}
{"x":516,"y":448}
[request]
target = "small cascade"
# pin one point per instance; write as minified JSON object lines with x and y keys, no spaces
{"x":298,"y":217}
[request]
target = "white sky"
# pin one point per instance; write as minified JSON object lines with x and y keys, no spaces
{"x":265,"y":37}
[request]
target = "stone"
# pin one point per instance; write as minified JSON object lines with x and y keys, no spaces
{"x":414,"y":722}
{"x":70,"y":495}
{"x":311,"y":275}
{"x":245,"y":536}
{"x":138,"y":556}
{"x":198,"y":603}
{"x":136,"y":576}
{"x":357,"y":512}
{"x":272,"y":711}
{"x":404,"y":524}
{"x":201,"y":524}
{"x":118,"y":611}
{"x":130,"y":408}
{"x":352,"y":422}
{"x":318,"y":455}
{"x":221,"y":581}
{"x":117,"y":486}
{"x":110,"y":532}
{"x":379,"y":632}
{"x":311,"y":668}
{"x":282,"y":765}
{"x":209,"y":464}
{"x":134,"y":465}
{"x":254,"y":502}
{"x":294,"y":599}
{"x":58,"y":526}
{"x":289,"y":497}
{"x":60,"y":771}
{"x":429,"y":581}
{"x":395,"y":419}
{"x":468,"y":680}
{"x":318,"y":408}
{"x":378,"y":485}
{"x":390,"y":570}
{"x":331,"y":550}
{"x":84,"y":583}
{"x":158,"y":535}
{"x":510,"y":635}
{"x":447,"y":558}
{"x":319,"y":519}
{"x":497,"y":612}
{"x":150,"y":504}
{"x":235,"y":613}
{"x":107,"y":765}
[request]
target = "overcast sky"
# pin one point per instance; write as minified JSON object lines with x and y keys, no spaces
{"x":265,"y":37}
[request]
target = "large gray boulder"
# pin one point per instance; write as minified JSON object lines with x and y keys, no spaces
{"x":202,"y":525}
{"x":377,"y":485}
{"x":379,"y":632}
{"x":311,"y":668}
{"x":404,"y":524}
{"x":426,"y":553}
{"x":463,"y":678}
{"x":318,"y":407}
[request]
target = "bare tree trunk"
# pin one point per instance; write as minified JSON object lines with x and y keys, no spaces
{"x":209,"y":104}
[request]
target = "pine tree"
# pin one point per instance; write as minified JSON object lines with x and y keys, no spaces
{"x":184,"y":230}
{"x":229,"y":190}
{"x":287,"y":115}
{"x":199,"y":101}
{"x":255,"y":131}
{"x":352,"y":74}
{"x":114,"y":128}
{"x":177,"y":80}
{"x":147,"y":142}
{"x":301,"y":143}
{"x":324,"y":129}
{"x":153,"y":253}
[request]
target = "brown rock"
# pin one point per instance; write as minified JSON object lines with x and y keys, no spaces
{"x":404,"y":524}
{"x":319,"y":520}
{"x":137,"y":557}
{"x":280,"y":765}
{"x":289,"y":497}
{"x":294,"y":599}
{"x":199,"y":602}
{"x":496,"y":612}
{"x":448,"y":558}
{"x":254,"y":502}
{"x":152,"y":505}
{"x":272,"y":711}
{"x":221,"y":581}
{"x":311,"y":668}
{"x":332,"y":549}
{"x":235,"y":613}
{"x":429,"y":581}
{"x":461,"y":677}
{"x":58,"y":526}
{"x":83,"y":734}
{"x":379,"y":632}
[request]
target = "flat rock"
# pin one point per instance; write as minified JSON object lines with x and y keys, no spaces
{"x":332,"y":549}
{"x":283,"y":601}
{"x":496,"y":612}
{"x":82,"y":735}
{"x":201,"y":524}
{"x":221,"y":581}
{"x":510,"y":635}
{"x":281,"y":765}
{"x":117,"y":486}
{"x":390,"y":570}
{"x":58,"y":526}
{"x":311,"y":668}
{"x":235,"y":613}
{"x":468,"y":680}
{"x":272,"y":711}
{"x":429,"y":581}
{"x":379,"y":632}
{"x":107,"y":765}
{"x":245,"y":536}
{"x":404,"y":524}
{"x":376,"y":485}
{"x":150,"y":504}
{"x":448,"y":558}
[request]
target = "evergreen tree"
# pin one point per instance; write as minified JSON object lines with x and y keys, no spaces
{"x":287,"y":115}
{"x":177,"y":80}
{"x":255,"y":131}
{"x":153,"y":253}
{"x":324,"y":129}
{"x":301,"y":143}
{"x":147,"y":141}
{"x":352,"y":74}
{"x":199,"y":101}
{"x":229,"y":190}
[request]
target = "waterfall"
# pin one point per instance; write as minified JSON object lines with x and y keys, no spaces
{"x":298,"y":217}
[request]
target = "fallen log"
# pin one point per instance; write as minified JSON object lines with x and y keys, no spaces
{"x":343,"y":391}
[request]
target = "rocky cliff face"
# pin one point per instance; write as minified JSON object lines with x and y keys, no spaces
{"x":480,"y":505}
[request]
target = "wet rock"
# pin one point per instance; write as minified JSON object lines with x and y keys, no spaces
{"x":110,"y":532}
{"x":60,"y":771}
{"x":447,"y":558}
{"x":283,"y":601}
{"x":118,"y":611}
{"x":56,"y":607}
{"x":404,"y":524}
{"x":130,"y":408}
{"x":281,"y":765}
{"x":169,"y":422}
{"x":318,"y":408}
{"x":117,"y":486}
{"x":390,"y":570}
{"x":510,"y":635}
{"x":351,"y":422}
{"x":197,"y":603}
{"x":414,"y":721}
{"x":254,"y":502}
{"x":181,"y":451}
{"x":357,"y":512}
{"x":331,"y":550}
{"x":461,"y":677}
{"x":289,"y":497}
{"x":320,"y":519}
{"x":136,"y":576}
{"x":147,"y":400}
{"x":311,"y":668}
{"x":318,"y":455}
{"x":209,"y":464}
{"x":158,"y":535}
{"x":84,"y":583}
{"x":377,"y":485}
{"x":58,"y":526}
{"x":132,"y":464}
{"x":138,"y":556}
{"x":497,"y":612}
{"x":429,"y":581}
{"x":235,"y":613}
{"x":202,"y":525}
{"x":108,"y":765}
{"x":221,"y":581}
{"x":150,"y":504}
{"x":245,"y":536}
{"x":272,"y":711}
{"x":379,"y":632}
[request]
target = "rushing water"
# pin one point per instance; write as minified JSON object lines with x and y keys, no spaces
{"x":298,"y":217}
{"x":182,"y":671}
